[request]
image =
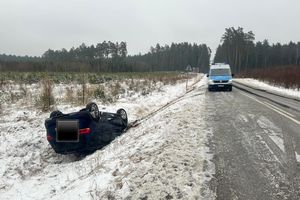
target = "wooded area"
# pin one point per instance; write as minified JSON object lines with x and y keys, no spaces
{"x":174,"y":57}
{"x":112,"y":57}
{"x":238,"y":49}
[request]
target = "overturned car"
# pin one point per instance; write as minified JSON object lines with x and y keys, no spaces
{"x":84,"y":131}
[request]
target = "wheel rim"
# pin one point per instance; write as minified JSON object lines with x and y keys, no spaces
{"x":123,"y":114}
{"x":94,"y":111}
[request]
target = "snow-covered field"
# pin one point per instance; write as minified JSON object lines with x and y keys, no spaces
{"x":164,"y":157}
{"x":291,"y":92}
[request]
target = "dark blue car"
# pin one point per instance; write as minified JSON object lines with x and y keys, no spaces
{"x":84,"y":131}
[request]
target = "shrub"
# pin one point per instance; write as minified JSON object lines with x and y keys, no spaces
{"x":23,"y":89}
{"x":116,"y":89}
{"x":2,"y":82}
{"x":46,"y":99}
{"x":70,"y":94}
{"x":83,"y":93}
{"x":99,"y":93}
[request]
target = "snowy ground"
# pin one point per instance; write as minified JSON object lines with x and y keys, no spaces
{"x":291,"y":92}
{"x":164,"y":157}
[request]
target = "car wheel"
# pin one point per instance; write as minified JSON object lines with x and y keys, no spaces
{"x":93,"y":109}
{"x":230,"y":89}
{"x":55,"y":113}
{"x":123,"y":115}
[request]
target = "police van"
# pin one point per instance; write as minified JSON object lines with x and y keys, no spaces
{"x":220,"y":77}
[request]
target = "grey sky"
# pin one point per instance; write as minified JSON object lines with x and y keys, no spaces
{"x":30,"y":27}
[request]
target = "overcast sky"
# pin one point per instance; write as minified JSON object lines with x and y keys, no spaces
{"x":30,"y":27}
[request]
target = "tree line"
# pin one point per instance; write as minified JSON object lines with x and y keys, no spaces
{"x":177,"y":56}
{"x":111,"y":57}
{"x":238,"y":49}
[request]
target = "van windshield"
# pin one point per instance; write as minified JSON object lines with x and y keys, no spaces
{"x":220,"y":72}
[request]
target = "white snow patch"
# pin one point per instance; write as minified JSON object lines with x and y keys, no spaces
{"x":291,"y":92}
{"x":274,"y":132}
{"x":163,"y":156}
{"x":297,"y":156}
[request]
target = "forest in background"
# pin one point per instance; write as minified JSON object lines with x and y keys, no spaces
{"x":276,"y":63}
{"x":279,"y":63}
{"x":111,"y":57}
{"x":238,"y":49}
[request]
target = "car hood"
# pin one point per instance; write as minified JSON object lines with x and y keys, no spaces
{"x":220,"y":78}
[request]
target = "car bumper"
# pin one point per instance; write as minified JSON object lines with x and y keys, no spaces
{"x":220,"y":86}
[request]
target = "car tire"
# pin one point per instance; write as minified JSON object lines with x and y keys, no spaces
{"x":93,"y":109}
{"x":230,"y":88}
{"x":55,"y":113}
{"x":123,"y":115}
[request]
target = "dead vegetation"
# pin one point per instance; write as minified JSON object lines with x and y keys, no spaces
{"x":2,"y":83}
{"x":286,"y":76}
{"x":83,"y":93}
{"x":102,"y":95}
{"x":46,"y":98}
{"x":49,"y":91}
{"x":70,"y":95}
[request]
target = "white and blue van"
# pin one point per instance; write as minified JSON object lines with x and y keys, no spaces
{"x":219,"y":77}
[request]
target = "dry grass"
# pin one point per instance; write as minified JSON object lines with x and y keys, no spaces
{"x":92,"y":78}
{"x":46,"y":98}
{"x":286,"y":76}
{"x":79,"y":88}
{"x":2,"y":83}
{"x":117,"y":89}
{"x":83,"y":92}
{"x":70,"y":95}
{"x":101,"y":94}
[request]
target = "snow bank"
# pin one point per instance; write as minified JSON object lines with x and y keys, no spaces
{"x":290,"y":92}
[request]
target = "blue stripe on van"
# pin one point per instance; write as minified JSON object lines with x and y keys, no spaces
{"x":220,"y":78}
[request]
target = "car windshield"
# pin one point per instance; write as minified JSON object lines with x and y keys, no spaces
{"x":220,"y":72}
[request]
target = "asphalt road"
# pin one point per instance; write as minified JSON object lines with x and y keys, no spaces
{"x":293,"y":104}
{"x":255,"y":142}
